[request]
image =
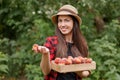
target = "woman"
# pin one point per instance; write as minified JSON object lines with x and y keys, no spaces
{"x":68,"y":41}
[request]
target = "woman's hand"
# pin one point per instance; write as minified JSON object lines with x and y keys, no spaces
{"x":40,"y":49}
{"x":83,"y":74}
{"x":45,"y":59}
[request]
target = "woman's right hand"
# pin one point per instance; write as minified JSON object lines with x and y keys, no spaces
{"x":40,"y":49}
{"x":45,"y":59}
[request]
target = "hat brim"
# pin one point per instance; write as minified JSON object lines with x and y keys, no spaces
{"x":54,"y":17}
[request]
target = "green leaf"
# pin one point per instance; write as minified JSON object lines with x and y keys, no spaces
{"x":3,"y":68}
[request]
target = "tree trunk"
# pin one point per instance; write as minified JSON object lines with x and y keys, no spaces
{"x":99,"y":24}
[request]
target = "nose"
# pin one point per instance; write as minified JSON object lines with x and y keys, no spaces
{"x":63,"y":24}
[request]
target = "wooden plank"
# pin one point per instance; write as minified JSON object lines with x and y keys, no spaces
{"x":73,"y":67}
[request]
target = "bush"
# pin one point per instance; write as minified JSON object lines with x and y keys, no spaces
{"x":3,"y":65}
{"x":33,"y":72}
{"x":105,"y":51}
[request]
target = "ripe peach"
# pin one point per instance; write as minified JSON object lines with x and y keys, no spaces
{"x":76,"y":60}
{"x":68,"y":61}
{"x":35,"y":47}
{"x":70,"y":57}
{"x":57,"y":60}
{"x":88,"y":60}
{"x":62,"y":62}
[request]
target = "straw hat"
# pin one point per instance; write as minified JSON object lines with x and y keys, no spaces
{"x":67,"y":10}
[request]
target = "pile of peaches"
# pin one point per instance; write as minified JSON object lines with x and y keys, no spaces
{"x":70,"y":60}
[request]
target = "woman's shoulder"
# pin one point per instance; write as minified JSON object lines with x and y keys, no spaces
{"x":52,"y":38}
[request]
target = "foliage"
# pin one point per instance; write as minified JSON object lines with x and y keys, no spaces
{"x":7,"y":46}
{"x":33,"y":72}
{"x":105,"y":51}
{"x":3,"y":65}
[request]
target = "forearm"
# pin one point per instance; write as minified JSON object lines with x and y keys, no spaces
{"x":45,"y":64}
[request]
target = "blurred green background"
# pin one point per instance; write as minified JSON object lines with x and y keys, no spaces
{"x":25,"y":22}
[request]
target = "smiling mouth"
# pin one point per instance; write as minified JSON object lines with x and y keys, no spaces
{"x":63,"y":29}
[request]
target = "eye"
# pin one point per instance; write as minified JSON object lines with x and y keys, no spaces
{"x":67,"y":20}
{"x":59,"y":20}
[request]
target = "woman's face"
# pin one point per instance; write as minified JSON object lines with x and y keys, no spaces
{"x":65,"y":24}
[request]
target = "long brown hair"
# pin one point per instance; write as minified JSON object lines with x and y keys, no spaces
{"x":79,"y":47}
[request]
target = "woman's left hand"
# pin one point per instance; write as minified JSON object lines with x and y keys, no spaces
{"x":83,"y":73}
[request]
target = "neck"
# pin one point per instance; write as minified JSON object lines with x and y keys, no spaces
{"x":68,"y":38}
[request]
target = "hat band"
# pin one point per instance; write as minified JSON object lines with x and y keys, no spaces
{"x":67,"y":10}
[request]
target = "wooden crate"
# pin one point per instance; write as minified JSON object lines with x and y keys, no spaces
{"x":73,"y":67}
